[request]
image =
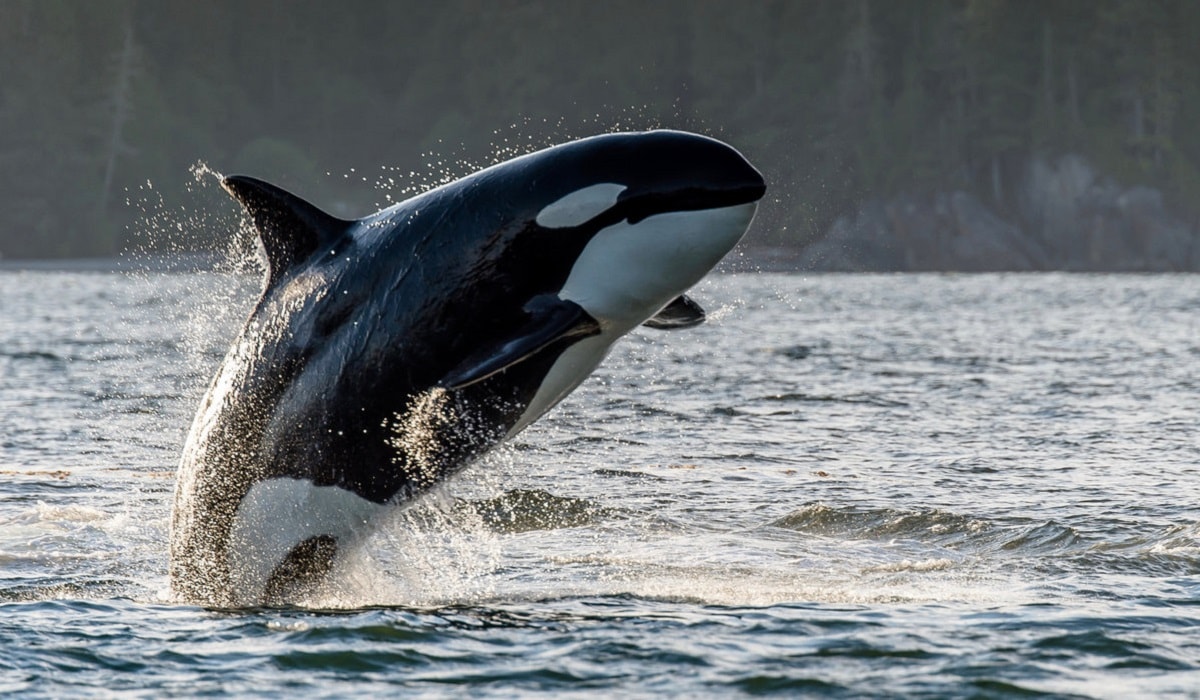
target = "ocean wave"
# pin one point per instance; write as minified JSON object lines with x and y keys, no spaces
{"x":880,"y":523}
{"x":955,"y":531}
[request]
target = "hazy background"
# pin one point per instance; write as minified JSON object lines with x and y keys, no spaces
{"x":906,"y":135}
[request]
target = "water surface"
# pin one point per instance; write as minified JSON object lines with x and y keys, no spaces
{"x":844,"y":485}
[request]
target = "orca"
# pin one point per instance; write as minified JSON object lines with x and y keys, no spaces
{"x":389,"y":352}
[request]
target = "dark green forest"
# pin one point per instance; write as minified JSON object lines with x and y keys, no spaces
{"x":105,"y":105}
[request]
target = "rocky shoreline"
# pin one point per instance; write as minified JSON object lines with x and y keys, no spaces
{"x":1067,"y":217}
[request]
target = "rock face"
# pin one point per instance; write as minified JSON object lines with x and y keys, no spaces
{"x":1067,"y":218}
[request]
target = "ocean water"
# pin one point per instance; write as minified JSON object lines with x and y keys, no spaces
{"x":841,"y":486}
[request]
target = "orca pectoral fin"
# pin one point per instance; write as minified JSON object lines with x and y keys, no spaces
{"x":681,"y":313}
{"x":550,"y":319}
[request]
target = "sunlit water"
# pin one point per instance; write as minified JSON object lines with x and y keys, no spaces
{"x":852,"y":486}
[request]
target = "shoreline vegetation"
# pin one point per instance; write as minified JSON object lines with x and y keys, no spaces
{"x":925,"y":135}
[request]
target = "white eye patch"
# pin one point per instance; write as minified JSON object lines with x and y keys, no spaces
{"x":580,"y":206}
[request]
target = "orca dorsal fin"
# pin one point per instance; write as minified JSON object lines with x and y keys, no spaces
{"x":290,"y":228}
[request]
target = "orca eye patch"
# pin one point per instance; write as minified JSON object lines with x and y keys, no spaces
{"x":580,"y":206}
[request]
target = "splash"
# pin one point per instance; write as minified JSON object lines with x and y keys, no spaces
{"x":197,"y":227}
{"x":428,"y":553}
{"x":417,"y":435}
{"x":201,"y":231}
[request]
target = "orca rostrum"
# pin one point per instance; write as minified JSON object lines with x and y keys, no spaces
{"x":388,"y":352}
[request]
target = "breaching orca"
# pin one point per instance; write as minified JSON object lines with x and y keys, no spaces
{"x":388,"y":352}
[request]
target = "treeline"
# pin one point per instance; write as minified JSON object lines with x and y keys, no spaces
{"x":837,"y":100}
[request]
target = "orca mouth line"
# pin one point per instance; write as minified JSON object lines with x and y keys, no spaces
{"x":641,"y":207}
